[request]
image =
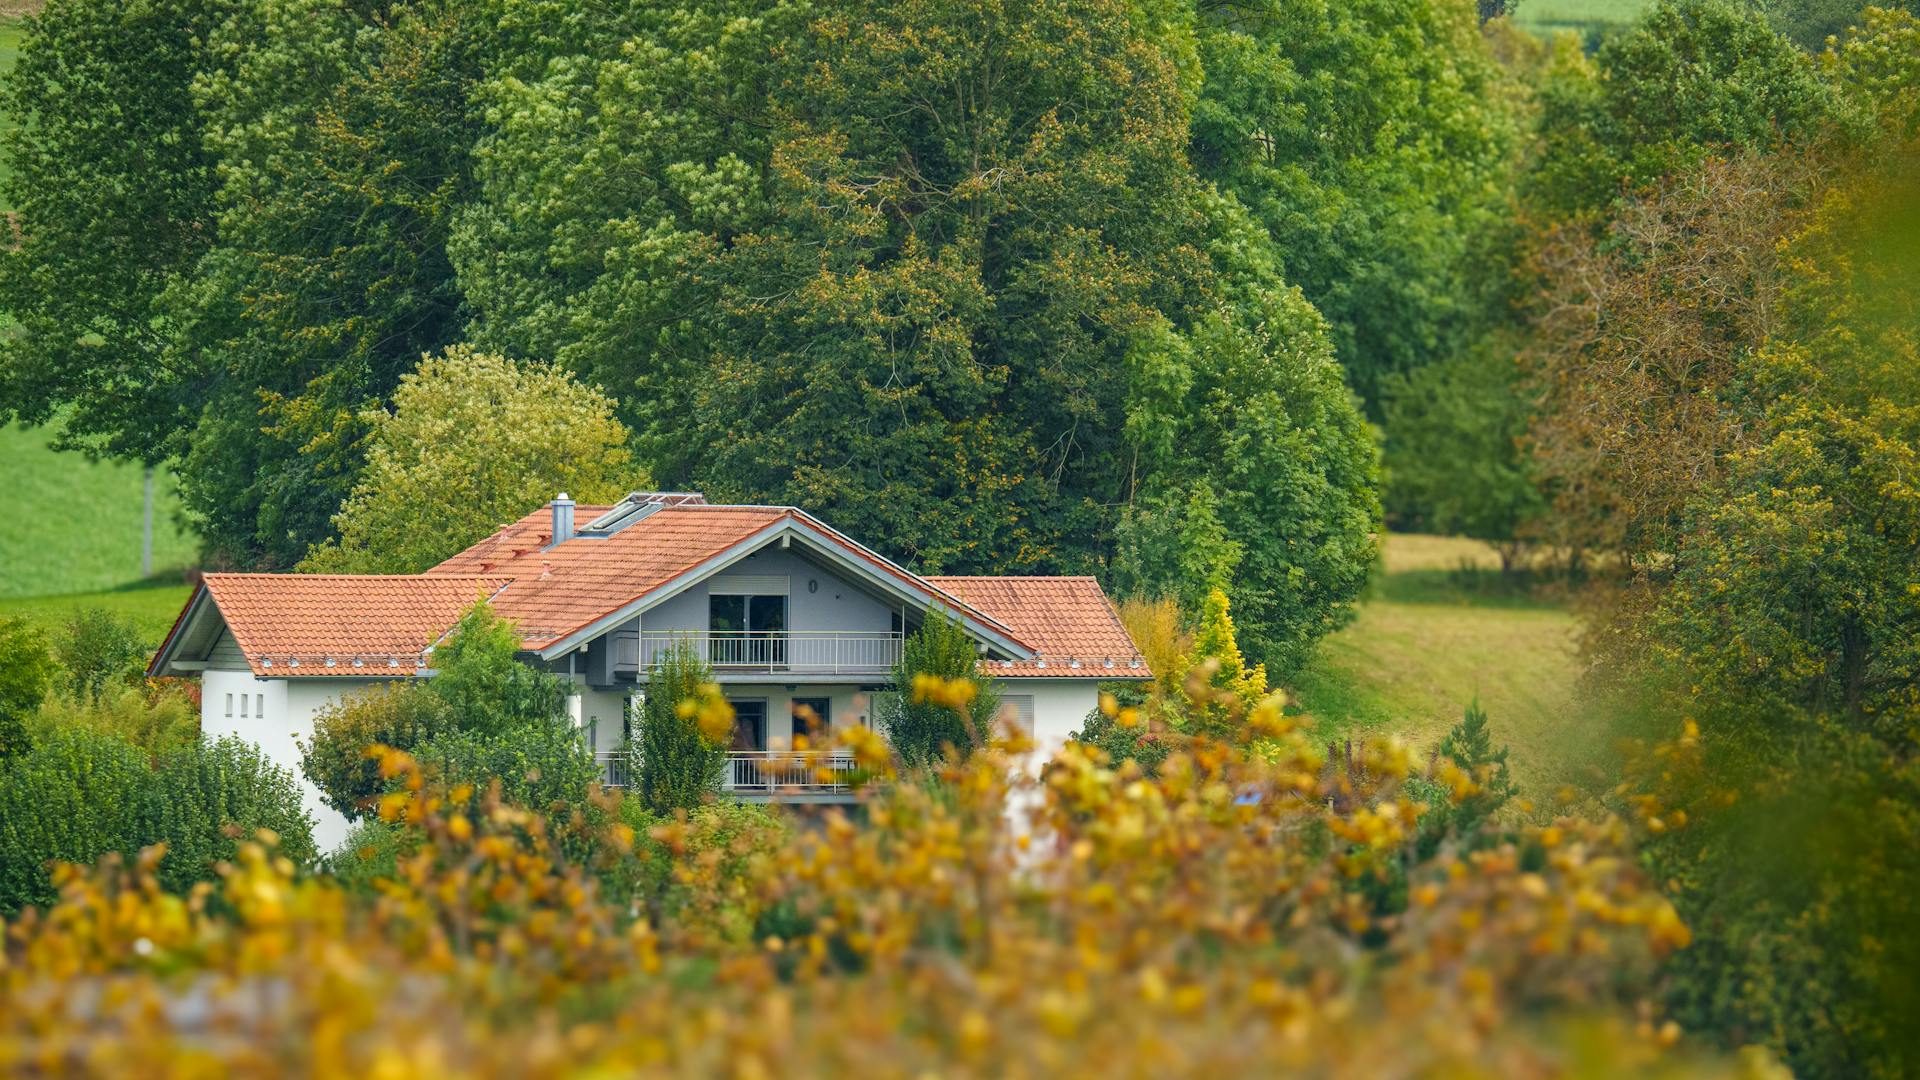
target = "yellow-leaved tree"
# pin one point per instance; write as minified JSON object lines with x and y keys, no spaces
{"x":1217,"y":666}
{"x":473,"y":441}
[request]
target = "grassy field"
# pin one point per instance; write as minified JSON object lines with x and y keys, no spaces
{"x":73,"y":525}
{"x":151,"y":607}
{"x":1583,"y":17}
{"x":1440,"y":631}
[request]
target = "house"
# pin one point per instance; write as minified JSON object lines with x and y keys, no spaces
{"x":801,"y":624}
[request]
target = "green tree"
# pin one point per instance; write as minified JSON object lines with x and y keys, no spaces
{"x":110,"y":174}
{"x":27,"y":670}
{"x":343,"y":133}
{"x":478,"y":674}
{"x":978,"y":336}
{"x":921,"y":726}
{"x":1692,"y":79}
{"x":99,"y":650}
{"x":404,"y":716}
{"x":833,"y":287}
{"x":473,"y":441}
{"x":1469,"y":745}
{"x":679,"y":761}
{"x":1455,"y":454}
{"x":1250,"y":402}
{"x":1373,"y":140}
{"x":1169,"y":546}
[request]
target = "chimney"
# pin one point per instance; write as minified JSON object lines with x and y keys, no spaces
{"x":562,"y":520}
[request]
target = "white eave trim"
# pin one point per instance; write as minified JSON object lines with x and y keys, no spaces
{"x":831,"y":548}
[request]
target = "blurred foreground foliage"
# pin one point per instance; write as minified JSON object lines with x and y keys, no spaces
{"x":1249,"y":907}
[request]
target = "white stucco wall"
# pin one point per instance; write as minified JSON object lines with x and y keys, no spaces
{"x":1060,"y":706}
{"x":290,"y":706}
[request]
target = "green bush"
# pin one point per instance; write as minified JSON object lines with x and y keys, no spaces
{"x":679,"y":765}
{"x":537,"y":765}
{"x":477,"y":674}
{"x":99,"y":649}
{"x":370,"y":852}
{"x":1139,"y":743}
{"x":26,"y":671}
{"x":195,"y":793}
{"x":921,"y":731}
{"x":157,"y":718}
{"x":400,"y":715}
{"x":80,"y":792}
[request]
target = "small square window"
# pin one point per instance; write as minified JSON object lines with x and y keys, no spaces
{"x":243,"y":706}
{"x":229,"y":706}
{"x":259,"y":706}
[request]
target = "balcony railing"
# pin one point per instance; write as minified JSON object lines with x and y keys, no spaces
{"x":615,"y":768}
{"x":772,"y":773}
{"x":819,"y":652}
{"x":787,"y":772}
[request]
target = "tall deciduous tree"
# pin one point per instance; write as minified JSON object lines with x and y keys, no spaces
{"x":940,"y":270}
{"x":113,"y":185}
{"x":1642,"y":337}
{"x":1694,"y":78}
{"x":1373,"y":141}
{"x":473,"y":442}
{"x":344,"y":138}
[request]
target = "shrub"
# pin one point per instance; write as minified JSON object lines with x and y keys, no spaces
{"x":73,"y":796}
{"x":920,"y":727}
{"x":680,"y":758}
{"x":99,"y":649}
{"x":157,"y":717}
{"x":1185,"y":919}
{"x":1126,"y":734}
{"x":334,"y":759}
{"x":26,"y":671}
{"x":538,"y":765}
{"x":478,"y":675}
{"x":195,"y":795}
{"x":371,"y":852}
{"x":80,"y":793}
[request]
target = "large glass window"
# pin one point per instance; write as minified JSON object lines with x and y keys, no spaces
{"x":813,"y":718}
{"x":748,"y":629}
{"x":750,"y":725}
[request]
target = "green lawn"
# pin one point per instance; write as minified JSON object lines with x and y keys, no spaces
{"x":73,"y":525}
{"x":152,"y":608}
{"x":1582,"y":17}
{"x":1440,"y":631}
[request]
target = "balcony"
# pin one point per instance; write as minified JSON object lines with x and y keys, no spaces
{"x":769,"y":652}
{"x":755,"y":775}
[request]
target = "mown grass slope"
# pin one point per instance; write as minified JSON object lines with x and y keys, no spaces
{"x":1586,"y":18}
{"x":73,"y":525}
{"x":151,"y":607}
{"x":1441,"y":630}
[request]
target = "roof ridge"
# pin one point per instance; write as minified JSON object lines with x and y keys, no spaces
{"x":292,"y":576}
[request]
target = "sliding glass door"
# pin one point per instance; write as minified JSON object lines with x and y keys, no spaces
{"x":748,"y":630}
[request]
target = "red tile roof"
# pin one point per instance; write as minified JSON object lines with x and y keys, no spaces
{"x":1068,"y":620}
{"x":365,"y":624}
{"x":559,"y":590}
{"x":552,"y":593}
